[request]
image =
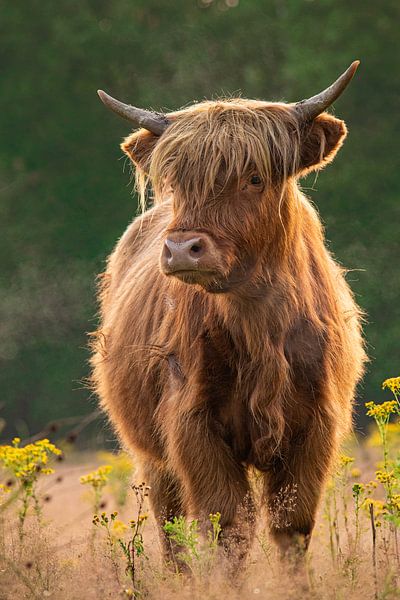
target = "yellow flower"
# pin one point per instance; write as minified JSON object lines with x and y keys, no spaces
{"x":355,"y":473}
{"x":382,"y":411}
{"x":371,"y":486}
{"x":395,"y":501}
{"x":378,"y":505}
{"x":143,"y":517}
{"x":97,"y":478}
{"x":122,"y":464}
{"x":121,"y":475}
{"x":385,"y":477}
{"x":393,"y":384}
{"x":346,"y":460}
{"x":118,"y":528}
{"x":27,"y":463}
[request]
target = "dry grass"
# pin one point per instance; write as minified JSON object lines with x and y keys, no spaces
{"x":65,"y":556}
{"x":77,"y":526}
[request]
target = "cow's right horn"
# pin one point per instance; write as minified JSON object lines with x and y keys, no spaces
{"x":312,"y":107}
{"x":157,"y":123}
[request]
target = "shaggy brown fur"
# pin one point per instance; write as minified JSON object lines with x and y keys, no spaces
{"x":203,"y":385}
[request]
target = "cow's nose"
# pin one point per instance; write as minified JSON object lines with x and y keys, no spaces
{"x":182,"y":255}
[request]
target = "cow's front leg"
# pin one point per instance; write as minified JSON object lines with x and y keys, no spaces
{"x":213,"y":481}
{"x":294,"y":485}
{"x":166,"y":502}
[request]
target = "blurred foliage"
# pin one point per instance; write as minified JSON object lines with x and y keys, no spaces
{"x":65,"y":197}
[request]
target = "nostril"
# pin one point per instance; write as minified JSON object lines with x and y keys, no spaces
{"x":196,"y":249}
{"x":167,"y":251}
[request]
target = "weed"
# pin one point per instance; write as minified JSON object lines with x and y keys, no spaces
{"x":97,"y":480}
{"x":27,"y":465}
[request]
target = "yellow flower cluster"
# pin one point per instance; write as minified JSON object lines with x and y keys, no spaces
{"x":382,"y":508}
{"x":141,"y":520}
{"x":121,"y":463}
{"x":395,"y":502}
{"x":345,"y":460}
{"x":121,"y":475}
{"x":381,"y":412}
{"x":355,"y":473}
{"x":371,"y":486}
{"x":97,"y":478}
{"x":368,"y":488}
{"x":378,"y":505}
{"x":385,"y":477}
{"x":102,"y":519}
{"x":392,"y":384}
{"x":118,"y":528}
{"x":28,"y":462}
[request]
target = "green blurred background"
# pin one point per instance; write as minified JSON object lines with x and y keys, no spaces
{"x":65,"y":191}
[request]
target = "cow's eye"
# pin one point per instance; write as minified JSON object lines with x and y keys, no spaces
{"x":255,"y":180}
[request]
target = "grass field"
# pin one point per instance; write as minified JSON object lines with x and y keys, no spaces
{"x":77,"y":526}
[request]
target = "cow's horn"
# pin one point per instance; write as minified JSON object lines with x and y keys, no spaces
{"x":312,"y":107}
{"x":157,"y":123}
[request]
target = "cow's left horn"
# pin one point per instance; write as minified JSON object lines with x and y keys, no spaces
{"x":312,"y":107}
{"x":157,"y":123}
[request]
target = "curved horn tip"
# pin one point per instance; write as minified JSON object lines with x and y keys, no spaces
{"x":354,"y":66}
{"x":314,"y":106}
{"x":155,"y":122}
{"x":102,"y":95}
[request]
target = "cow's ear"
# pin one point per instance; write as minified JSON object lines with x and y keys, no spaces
{"x":139,"y":146}
{"x":320,"y":142}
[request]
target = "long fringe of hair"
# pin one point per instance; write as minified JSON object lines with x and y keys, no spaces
{"x":230,"y":137}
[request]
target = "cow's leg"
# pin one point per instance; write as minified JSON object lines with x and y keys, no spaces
{"x":294,"y":484}
{"x":165,"y":497}
{"x":213,"y":481}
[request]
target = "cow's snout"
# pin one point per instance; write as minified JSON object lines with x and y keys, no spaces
{"x":189,"y":251}
{"x":183,"y":256}
{"x":183,"y":252}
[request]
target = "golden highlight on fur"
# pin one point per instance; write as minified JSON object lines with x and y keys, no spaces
{"x":254,"y":365}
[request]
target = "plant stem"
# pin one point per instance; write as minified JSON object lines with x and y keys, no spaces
{"x":373,"y":529}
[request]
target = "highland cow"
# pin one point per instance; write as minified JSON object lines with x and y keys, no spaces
{"x":229,"y":338}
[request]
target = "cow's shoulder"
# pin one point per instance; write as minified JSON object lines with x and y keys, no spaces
{"x":136,"y":254}
{"x":141,"y":242}
{"x":144,"y":233}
